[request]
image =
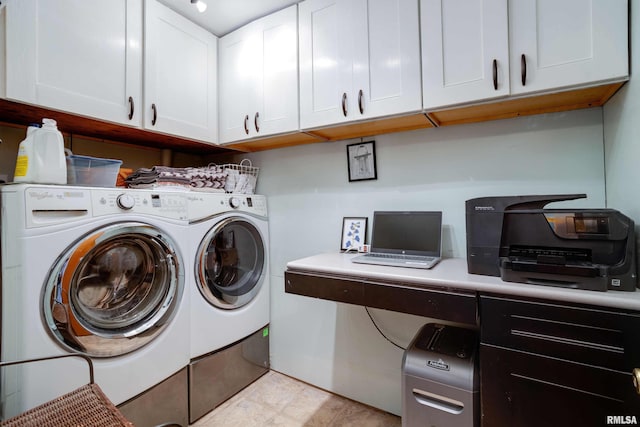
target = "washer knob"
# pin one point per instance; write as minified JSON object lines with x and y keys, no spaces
{"x":125,"y":201}
{"x":234,"y":202}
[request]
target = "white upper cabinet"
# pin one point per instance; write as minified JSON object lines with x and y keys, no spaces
{"x":258,"y":78}
{"x":80,"y":56}
{"x":465,"y":51}
{"x":180,"y":75}
{"x":493,"y":48}
{"x":3,"y":52}
{"x":237,"y":80}
{"x":359,"y":59}
{"x":325,"y":61}
{"x":564,"y":43}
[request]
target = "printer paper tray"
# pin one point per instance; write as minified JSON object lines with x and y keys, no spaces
{"x":589,"y":277}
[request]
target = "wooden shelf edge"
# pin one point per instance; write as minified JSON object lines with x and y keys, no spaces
{"x":337,"y":133}
{"x":574,"y":99}
{"x":15,"y":113}
{"x":373,"y":127}
{"x":275,"y":141}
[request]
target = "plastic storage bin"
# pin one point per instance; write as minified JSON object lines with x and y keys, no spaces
{"x":440,"y":379}
{"x":92,"y":171}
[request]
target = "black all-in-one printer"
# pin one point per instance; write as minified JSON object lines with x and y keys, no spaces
{"x":520,"y":241}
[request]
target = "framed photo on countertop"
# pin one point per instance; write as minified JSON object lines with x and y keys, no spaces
{"x":354,"y":233}
{"x":361,"y":161}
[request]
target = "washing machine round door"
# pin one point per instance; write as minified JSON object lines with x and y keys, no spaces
{"x":114,"y":290}
{"x":229,"y":263}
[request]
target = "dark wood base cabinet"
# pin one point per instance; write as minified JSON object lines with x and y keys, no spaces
{"x":555,"y":364}
{"x":448,"y":304}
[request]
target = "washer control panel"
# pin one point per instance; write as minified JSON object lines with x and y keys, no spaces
{"x":125,"y":201}
{"x":48,"y":205}
{"x":144,"y":202}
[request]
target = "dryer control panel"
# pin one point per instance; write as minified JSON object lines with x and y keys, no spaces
{"x":207,"y":205}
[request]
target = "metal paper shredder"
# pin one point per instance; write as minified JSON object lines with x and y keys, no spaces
{"x":440,"y":378}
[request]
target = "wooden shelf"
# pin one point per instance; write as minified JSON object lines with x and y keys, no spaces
{"x":575,"y":99}
{"x":596,"y":96}
{"x":338,"y":132}
{"x":373,"y":127}
{"x":22,"y":114}
{"x":549,"y":103}
{"x":277,"y":141}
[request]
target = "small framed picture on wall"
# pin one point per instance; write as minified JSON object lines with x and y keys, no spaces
{"x":361,"y":161}
{"x":354,"y":233}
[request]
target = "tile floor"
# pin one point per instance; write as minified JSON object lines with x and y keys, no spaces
{"x":278,"y":400}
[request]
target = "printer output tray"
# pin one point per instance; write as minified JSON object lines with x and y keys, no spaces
{"x":573,"y":276}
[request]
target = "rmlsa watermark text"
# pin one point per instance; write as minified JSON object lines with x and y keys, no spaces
{"x":622,"y":420}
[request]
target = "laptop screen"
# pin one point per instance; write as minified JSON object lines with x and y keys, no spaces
{"x":411,"y":233}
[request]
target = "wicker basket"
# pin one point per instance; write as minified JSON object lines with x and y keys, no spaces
{"x":242,"y":178}
{"x":85,"y":406}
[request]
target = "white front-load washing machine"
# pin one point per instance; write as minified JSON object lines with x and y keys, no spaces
{"x":229,"y":240}
{"x":229,"y":289}
{"x":100,"y":271}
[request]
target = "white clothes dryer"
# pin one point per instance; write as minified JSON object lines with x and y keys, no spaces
{"x":230,"y":274}
{"x":99,"y":271}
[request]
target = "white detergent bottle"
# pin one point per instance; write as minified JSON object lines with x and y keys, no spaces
{"x":45,"y":159}
{"x":23,"y":172}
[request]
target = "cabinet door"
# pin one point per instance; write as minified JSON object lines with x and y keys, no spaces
{"x":79,"y":56}
{"x":387,"y":67}
{"x":3,"y":52}
{"x":278,"y":101}
{"x":575,"y":361}
{"x":180,"y":75}
{"x":240,"y":68}
{"x":564,"y":43}
{"x":465,"y":51}
{"x":522,"y":389}
{"x":326,"y":61}
{"x":258,"y":68}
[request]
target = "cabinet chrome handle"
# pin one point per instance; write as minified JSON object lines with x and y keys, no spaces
{"x":131,"y":108}
{"x":360,"y":104}
{"x":523,"y":69}
{"x":636,"y":379}
{"x":246,"y":126}
{"x":495,"y":74}
{"x":155,"y":114}
{"x":344,"y":104}
{"x":255,"y":121}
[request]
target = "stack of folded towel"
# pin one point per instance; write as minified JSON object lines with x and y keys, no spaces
{"x":212,"y":177}
{"x":206,"y":178}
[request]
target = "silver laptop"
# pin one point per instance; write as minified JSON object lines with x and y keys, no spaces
{"x":404,"y":239}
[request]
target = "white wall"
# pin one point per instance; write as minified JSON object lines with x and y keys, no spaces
{"x":622,"y":135}
{"x":334,"y":345}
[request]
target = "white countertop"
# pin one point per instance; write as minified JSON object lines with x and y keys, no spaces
{"x":452,"y":272}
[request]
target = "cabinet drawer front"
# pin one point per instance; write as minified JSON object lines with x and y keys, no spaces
{"x":438,"y":303}
{"x":591,"y":335}
{"x":528,"y":390}
{"x":453,"y":306}
{"x":329,"y":288}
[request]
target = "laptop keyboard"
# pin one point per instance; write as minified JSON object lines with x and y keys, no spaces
{"x":399,"y":257}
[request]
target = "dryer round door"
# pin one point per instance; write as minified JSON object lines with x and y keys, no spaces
{"x":230,"y":262}
{"x":114,"y":290}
